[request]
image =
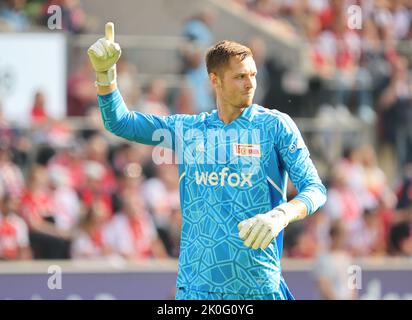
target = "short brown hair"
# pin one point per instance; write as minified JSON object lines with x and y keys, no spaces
{"x":218,"y":56}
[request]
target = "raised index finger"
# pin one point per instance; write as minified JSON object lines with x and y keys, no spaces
{"x":109,"y":31}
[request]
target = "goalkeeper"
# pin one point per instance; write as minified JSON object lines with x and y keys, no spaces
{"x":233,"y":185}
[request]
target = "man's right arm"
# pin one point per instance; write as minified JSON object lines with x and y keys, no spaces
{"x":132,"y":125}
{"x":135,"y":126}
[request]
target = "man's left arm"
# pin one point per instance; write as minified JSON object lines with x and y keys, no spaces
{"x":260,"y":230}
{"x":295,"y":158}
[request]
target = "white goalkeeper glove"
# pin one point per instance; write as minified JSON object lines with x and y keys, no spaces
{"x":260,"y":230}
{"x":103,"y":55}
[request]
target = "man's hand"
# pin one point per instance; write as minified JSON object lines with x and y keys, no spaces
{"x":103,"y":55}
{"x":260,"y":230}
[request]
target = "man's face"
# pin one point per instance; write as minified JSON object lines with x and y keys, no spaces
{"x":236,"y":84}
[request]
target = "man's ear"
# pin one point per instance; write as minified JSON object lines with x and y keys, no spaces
{"x":214,"y":79}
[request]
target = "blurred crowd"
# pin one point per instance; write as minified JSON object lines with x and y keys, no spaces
{"x":70,"y":191}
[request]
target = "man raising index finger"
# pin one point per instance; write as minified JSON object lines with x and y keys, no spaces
{"x":234,"y":206}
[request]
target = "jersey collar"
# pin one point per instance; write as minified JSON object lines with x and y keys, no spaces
{"x":246,"y":115}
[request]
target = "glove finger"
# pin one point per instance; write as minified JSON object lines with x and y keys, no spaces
{"x":245,"y":222}
{"x":267,"y":240}
{"x":103,"y":45}
{"x":260,"y":237}
{"x":114,"y":49}
{"x":109,"y":31}
{"x":241,"y":224}
{"x":91,"y":53}
{"x":245,"y":227}
{"x":96,"y":50}
{"x":253,"y":234}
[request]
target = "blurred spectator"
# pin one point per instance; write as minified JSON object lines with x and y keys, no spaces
{"x":400,"y":239}
{"x":132,"y":234}
{"x":71,"y":158}
{"x":301,"y":240}
{"x":97,"y":150}
{"x":65,"y":199}
{"x":89,"y":239}
{"x":198,"y":28}
{"x":22,"y":149}
{"x":37,"y":208}
{"x":123,"y":155}
{"x":14,"y":235}
{"x":46,"y":129}
{"x":331,"y":267}
{"x":129,"y":182}
{"x":354,"y":165}
{"x":323,"y":64}
{"x":81,"y":95}
{"x":295,"y":12}
{"x":375,"y":180}
{"x":197,"y":95}
{"x":404,"y":194}
{"x":13,"y":17}
{"x":93,"y":190}
{"x":39,"y":117}
{"x":162,"y":196}
{"x":162,"y":192}
{"x":265,"y":8}
{"x":373,"y":53}
{"x":127,"y":75}
{"x":6,"y":130}
{"x":343,"y":203}
{"x":154,"y":98}
{"x":395,"y":113}
{"x":322,"y":67}
{"x":11,"y":176}
{"x":328,"y":12}
{"x":184,"y":100}
{"x":401,"y":18}
{"x":59,"y":134}
{"x":17,"y":140}
{"x":368,"y":237}
{"x":197,"y":79}
{"x":343,"y":46}
{"x":172,"y":242}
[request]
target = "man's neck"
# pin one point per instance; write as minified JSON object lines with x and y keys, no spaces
{"x":228,"y":113}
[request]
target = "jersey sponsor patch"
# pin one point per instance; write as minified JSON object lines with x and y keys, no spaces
{"x":246,"y":150}
{"x":221,"y":178}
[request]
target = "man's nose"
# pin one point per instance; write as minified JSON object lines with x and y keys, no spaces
{"x":249,"y":83}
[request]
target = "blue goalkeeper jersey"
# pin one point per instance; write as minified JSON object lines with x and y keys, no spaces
{"x":227,"y":173}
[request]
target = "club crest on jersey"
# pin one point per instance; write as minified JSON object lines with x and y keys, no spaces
{"x":246,"y":150}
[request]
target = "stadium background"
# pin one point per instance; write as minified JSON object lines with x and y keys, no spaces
{"x":64,"y":179}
